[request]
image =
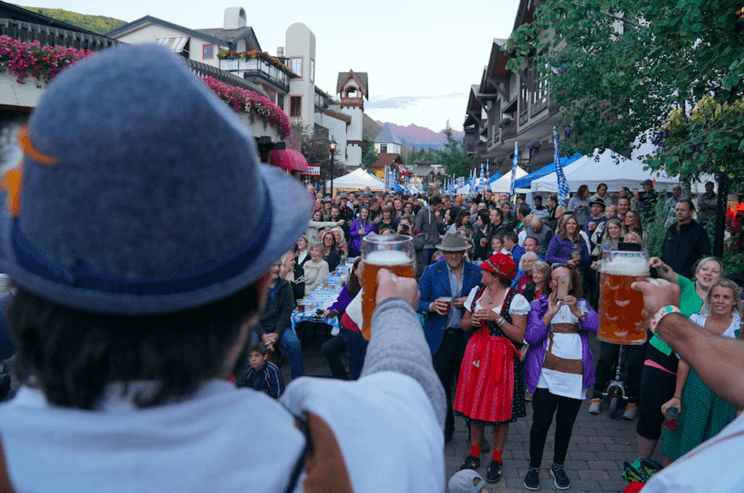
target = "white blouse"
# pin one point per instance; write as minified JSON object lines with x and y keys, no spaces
{"x":566,"y":346}
{"x":519,"y":306}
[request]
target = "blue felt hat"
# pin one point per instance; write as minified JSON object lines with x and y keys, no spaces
{"x":141,"y":192}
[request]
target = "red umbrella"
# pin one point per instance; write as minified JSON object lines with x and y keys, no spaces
{"x":289,"y":159}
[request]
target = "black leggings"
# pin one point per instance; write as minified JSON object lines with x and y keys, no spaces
{"x":544,"y":405}
{"x":606,"y":368}
{"x":657,"y":387}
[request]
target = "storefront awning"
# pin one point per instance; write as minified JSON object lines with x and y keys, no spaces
{"x":288,"y":159}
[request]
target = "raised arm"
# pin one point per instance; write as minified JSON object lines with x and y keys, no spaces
{"x":665,"y":272}
{"x":397,"y":344}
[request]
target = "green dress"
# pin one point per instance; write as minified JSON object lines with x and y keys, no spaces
{"x":704,"y":414}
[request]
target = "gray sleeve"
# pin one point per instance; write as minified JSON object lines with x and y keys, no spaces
{"x":398,"y":345}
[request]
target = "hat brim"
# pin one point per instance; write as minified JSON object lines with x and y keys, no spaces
{"x":452,"y":249}
{"x":290,"y":207}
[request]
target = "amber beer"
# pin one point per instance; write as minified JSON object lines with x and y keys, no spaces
{"x":620,"y":319}
{"x":392,"y":252}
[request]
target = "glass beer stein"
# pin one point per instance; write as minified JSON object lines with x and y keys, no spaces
{"x":620,"y":319}
{"x":392,"y":252}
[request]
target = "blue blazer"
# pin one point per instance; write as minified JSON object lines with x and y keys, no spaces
{"x":433,"y":284}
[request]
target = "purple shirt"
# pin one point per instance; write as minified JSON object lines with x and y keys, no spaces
{"x":559,"y":250}
{"x":537,"y":333}
{"x":343,"y":300}
{"x":356,"y":234}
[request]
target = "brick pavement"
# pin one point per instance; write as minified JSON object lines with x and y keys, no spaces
{"x":599,"y":445}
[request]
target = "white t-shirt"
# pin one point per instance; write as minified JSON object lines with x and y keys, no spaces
{"x":566,"y":346}
{"x":225,"y":439}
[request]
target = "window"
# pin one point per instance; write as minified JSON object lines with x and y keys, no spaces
{"x":295,"y":106}
{"x":383,"y":148}
{"x":280,"y":101}
{"x":312,"y":70}
{"x":207,"y":51}
{"x":297,"y":66}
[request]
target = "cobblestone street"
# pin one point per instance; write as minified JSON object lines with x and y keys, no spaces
{"x":599,"y":444}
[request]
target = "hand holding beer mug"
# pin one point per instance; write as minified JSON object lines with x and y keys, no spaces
{"x":442,"y":305}
{"x":392,"y":252}
{"x":620,"y":317}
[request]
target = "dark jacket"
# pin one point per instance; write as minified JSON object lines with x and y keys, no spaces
{"x":275,"y":315}
{"x":681,"y":250}
{"x":298,"y":285}
{"x":267,"y":379}
{"x":499,"y":230}
{"x":428,"y":224}
{"x":333,"y":260}
{"x":435,"y":284}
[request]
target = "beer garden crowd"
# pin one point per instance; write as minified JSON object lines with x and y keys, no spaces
{"x":515,"y":252}
{"x":130,"y":310}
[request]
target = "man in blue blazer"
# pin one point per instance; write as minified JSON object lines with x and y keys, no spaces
{"x":449,"y":278}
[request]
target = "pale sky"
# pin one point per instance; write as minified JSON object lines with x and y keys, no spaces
{"x":421,"y":56}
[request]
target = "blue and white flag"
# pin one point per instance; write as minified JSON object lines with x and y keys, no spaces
{"x":514,"y":170}
{"x":406,"y":183}
{"x":488,"y":170}
{"x":562,"y":183}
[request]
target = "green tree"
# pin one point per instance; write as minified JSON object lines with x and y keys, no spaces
{"x":618,"y":67}
{"x":453,"y":158}
{"x":94,"y":23}
{"x":369,"y":153}
{"x":315,"y":147}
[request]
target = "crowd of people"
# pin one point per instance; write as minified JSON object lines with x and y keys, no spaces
{"x":498,"y":333}
{"x":142,"y":312}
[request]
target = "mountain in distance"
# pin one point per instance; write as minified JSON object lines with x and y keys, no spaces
{"x":420,"y":137}
{"x":96,"y":23}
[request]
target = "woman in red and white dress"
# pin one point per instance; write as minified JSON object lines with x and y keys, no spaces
{"x":490,"y":390}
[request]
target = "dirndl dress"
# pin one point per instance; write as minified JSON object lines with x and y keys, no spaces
{"x":704,"y":414}
{"x":490,"y":388}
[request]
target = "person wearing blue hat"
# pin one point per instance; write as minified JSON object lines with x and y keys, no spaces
{"x":138,"y":232}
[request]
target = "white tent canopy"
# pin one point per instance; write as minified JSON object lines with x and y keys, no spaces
{"x":587,"y":171}
{"x":357,"y":180}
{"x":503,"y":184}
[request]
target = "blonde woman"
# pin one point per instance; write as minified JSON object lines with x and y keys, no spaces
{"x":702,"y":414}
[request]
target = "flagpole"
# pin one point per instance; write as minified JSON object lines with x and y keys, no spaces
{"x":512,"y":198}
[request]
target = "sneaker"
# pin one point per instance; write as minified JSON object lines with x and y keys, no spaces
{"x":632,"y":473}
{"x":559,"y":477}
{"x":471,"y":462}
{"x":485,"y":446}
{"x":532,"y":480}
{"x":631,"y":411}
{"x":494,"y":472}
{"x":594,"y":405}
{"x":649,"y":468}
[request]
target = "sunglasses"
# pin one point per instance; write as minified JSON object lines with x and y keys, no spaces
{"x":557,"y":266}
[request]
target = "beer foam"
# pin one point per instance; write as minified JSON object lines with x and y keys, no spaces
{"x":625,"y":267}
{"x":385,"y":258}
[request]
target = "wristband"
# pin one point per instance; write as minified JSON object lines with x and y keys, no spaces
{"x":661,"y":314}
{"x":501,"y":321}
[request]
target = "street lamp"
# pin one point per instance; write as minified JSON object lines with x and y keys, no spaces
{"x":332,"y":146}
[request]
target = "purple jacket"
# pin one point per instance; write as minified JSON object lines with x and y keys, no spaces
{"x":537,"y":333}
{"x":356,"y":234}
{"x":559,"y":250}
{"x":343,"y":300}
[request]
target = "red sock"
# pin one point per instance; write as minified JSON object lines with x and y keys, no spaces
{"x":496,"y":455}
{"x":475,"y":450}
